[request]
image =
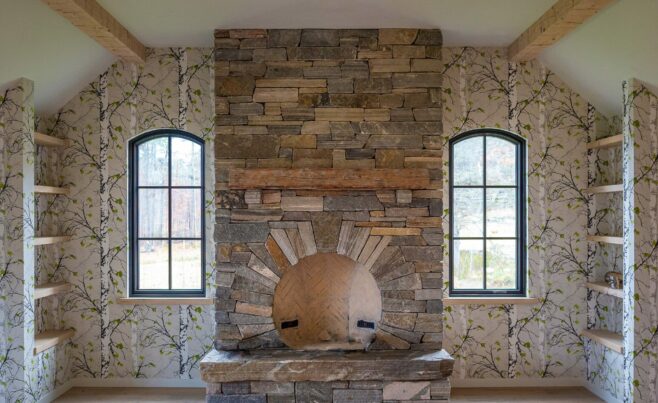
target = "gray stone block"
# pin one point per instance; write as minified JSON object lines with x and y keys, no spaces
{"x":313,"y":392}
{"x":242,"y":232}
{"x":283,"y":38}
{"x":352,"y":203}
{"x":357,"y":395}
{"x":236,"y":399}
{"x":320,"y":37}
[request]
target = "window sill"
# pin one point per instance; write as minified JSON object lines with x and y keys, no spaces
{"x":166,"y":301}
{"x":490,"y":301}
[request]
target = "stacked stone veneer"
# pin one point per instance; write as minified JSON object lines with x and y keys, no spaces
{"x":342,"y":99}
{"x":337,"y":391}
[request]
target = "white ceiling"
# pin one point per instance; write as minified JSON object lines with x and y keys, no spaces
{"x":38,"y":44}
{"x":619,"y":43}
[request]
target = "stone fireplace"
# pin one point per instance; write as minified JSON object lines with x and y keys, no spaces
{"x":328,"y":217}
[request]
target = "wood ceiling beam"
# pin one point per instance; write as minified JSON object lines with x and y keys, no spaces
{"x":558,"y":21}
{"x":101,"y":26}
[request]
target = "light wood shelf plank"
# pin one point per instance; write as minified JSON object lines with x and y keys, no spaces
{"x":603,"y":288}
{"x":52,"y":190}
{"x":48,"y":141}
{"x":605,"y":189}
{"x":49,"y":240}
{"x":49,"y":289}
{"x":613,"y":341}
{"x":616,"y":240}
{"x":50,"y":338}
{"x":607,"y":142}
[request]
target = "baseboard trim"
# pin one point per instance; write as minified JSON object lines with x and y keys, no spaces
{"x":137,"y":383}
{"x":54,"y":394}
{"x":514,"y":383}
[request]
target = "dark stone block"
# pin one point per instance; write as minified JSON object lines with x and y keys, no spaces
{"x":352,"y":203}
{"x":248,"y":68}
{"x":230,"y":86}
{"x":320,"y":37}
{"x":274,"y":71}
{"x":357,"y":396}
{"x":372,"y":86}
{"x":308,"y":392}
{"x":421,"y":253}
{"x":354,"y":100}
{"x":236,"y":388}
{"x":429,"y":37}
{"x":340,"y":85}
{"x":321,"y":53}
{"x":359,"y":153}
{"x":409,"y":128}
{"x":265,"y":340}
{"x":358,"y":33}
{"x":283,"y":38}
{"x":322,"y":72}
{"x":233,"y":54}
{"x":271,"y":54}
{"x":246,"y":146}
{"x":355,"y":69}
{"x":242,"y":232}
{"x":417,"y":80}
{"x":236,"y":399}
{"x":326,"y":227}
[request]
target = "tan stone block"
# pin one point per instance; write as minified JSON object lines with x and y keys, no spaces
{"x":429,"y":293}
{"x":407,"y":212}
{"x":252,"y":309}
{"x":389,"y":158}
{"x":408,"y":52}
{"x":339,"y":114}
{"x":389,"y":65}
{"x":276,"y":95}
{"x":431,"y":65}
{"x":407,"y":391}
{"x":395,"y":231}
{"x":291,"y":83}
{"x":296,"y":203}
{"x":252,"y":196}
{"x":299,"y":141}
{"x":274,"y":163}
{"x":272,"y":109}
{"x":271,"y":196}
{"x":397,"y":36}
{"x":423,"y":162}
{"x":377,"y":115}
{"x":375,"y":54}
{"x":428,"y":194}
{"x":315,"y":127}
{"x":424,"y":222}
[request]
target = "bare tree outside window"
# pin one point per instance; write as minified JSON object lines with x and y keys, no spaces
{"x":487,"y":214}
{"x":166,"y":214}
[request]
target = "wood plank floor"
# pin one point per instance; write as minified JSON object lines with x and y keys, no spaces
{"x":197,"y":395}
{"x":526,"y":395}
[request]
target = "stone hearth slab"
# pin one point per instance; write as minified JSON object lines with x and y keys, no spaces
{"x":325,"y":366}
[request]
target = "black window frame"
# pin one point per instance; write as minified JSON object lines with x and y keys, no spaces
{"x":521,"y":211}
{"x":133,"y":216}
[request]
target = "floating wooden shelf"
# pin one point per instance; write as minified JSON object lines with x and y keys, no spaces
{"x":607,"y":142}
{"x":49,"y":240}
{"x":50,"y":338}
{"x":617,"y":240}
{"x":48,"y":289}
{"x":604,"y":288}
{"x":613,"y":341}
{"x":605,"y":189}
{"x":48,"y":141}
{"x":51,"y":190}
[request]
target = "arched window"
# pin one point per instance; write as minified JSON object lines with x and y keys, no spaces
{"x":487,"y":214}
{"x":166,"y":219}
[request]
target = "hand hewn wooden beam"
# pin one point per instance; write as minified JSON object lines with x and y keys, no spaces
{"x":329,"y":179}
{"x":101,"y":26}
{"x":558,"y":21}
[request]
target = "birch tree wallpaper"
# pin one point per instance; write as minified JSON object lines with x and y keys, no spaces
{"x":173,"y":90}
{"x":483,"y":89}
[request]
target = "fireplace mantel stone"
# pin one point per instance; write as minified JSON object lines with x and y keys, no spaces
{"x":325,"y":366}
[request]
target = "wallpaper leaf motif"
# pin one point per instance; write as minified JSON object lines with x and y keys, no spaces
{"x":483,"y":89}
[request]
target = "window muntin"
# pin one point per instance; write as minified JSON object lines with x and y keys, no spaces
{"x":167,"y":221}
{"x":487,"y":214}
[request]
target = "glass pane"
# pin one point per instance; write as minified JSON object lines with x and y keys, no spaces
{"x":467,"y":157}
{"x":186,"y":265}
{"x":153,"y":265}
{"x":468,"y":264}
{"x":501,"y":161}
{"x":501,"y":264}
{"x":468,"y":215}
{"x":501,"y":212}
{"x":153,"y":213}
{"x":186,"y":213}
{"x":185,"y":162}
{"x":153,"y":162}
